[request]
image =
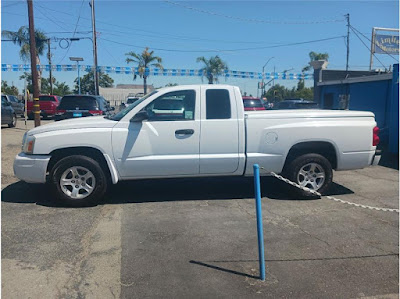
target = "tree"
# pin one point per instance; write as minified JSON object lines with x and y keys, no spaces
{"x":87,"y":82}
{"x":9,"y":90}
{"x":21,"y":38}
{"x":279,"y":92}
{"x":144,"y":61}
{"x":44,"y":83}
{"x":213,"y":68}
{"x":313,"y":57}
{"x":61,"y":89}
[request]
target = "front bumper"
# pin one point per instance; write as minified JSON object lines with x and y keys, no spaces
{"x":31,"y":168}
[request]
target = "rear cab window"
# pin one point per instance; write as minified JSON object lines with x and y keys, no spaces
{"x":218,"y":104}
{"x":249,"y":103}
{"x":78,"y":103}
{"x":47,"y":98}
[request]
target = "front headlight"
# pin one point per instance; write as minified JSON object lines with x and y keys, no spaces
{"x":28,"y":142}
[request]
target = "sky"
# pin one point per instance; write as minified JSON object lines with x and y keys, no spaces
{"x":245,"y":34}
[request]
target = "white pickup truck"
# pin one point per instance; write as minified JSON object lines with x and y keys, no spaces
{"x":194,"y":131}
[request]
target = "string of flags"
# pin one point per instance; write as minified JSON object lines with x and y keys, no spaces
{"x":155,"y":71}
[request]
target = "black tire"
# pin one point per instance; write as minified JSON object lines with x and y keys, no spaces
{"x":100,"y":186}
{"x":292,"y":172}
{"x":30,"y":116}
{"x":13,"y":122}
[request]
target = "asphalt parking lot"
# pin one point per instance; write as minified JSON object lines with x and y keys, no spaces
{"x":196,"y":238}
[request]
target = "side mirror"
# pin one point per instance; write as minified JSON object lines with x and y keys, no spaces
{"x":140,"y":116}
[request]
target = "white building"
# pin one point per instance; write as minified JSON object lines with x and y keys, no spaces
{"x":118,"y":94}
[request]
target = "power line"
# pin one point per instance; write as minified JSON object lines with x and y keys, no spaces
{"x":370,"y":41}
{"x":54,"y":22}
{"x":76,"y":27}
{"x":367,"y":46}
{"x":158,"y":34}
{"x":11,"y":4}
{"x":250,"y":20}
{"x":229,"y":50}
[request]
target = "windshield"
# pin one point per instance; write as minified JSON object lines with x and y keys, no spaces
{"x":124,"y":112}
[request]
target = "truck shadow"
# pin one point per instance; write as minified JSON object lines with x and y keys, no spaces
{"x":142,"y":191}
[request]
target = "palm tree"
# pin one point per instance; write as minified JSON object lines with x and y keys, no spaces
{"x":313,"y":57}
{"x":144,"y":60}
{"x":213,"y":68}
{"x":21,"y":38}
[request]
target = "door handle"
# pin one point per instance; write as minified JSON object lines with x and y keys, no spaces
{"x":184,"y":132}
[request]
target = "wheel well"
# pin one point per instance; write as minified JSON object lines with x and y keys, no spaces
{"x":322,"y":148}
{"x":90,"y":152}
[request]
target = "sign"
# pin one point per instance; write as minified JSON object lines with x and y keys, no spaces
{"x":386,"y":44}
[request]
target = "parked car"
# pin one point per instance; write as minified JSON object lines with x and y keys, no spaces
{"x":73,"y":106}
{"x":17,"y":105}
{"x":131,"y":100}
{"x":48,"y":106}
{"x":296,"y":104}
{"x":253,"y":104}
{"x":8,"y":115}
{"x":216,"y":137}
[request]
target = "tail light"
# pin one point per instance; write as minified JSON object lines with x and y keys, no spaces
{"x":60,"y":112}
{"x":375,"y":136}
{"x":96,"y":112}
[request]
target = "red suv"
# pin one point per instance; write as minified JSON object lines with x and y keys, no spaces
{"x":48,"y":106}
{"x":253,"y":104}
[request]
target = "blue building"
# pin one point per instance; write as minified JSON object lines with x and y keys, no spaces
{"x":366,"y":91}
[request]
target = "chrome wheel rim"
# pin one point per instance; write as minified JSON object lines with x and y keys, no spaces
{"x":77,"y":182}
{"x":14,"y":121}
{"x":311,"y":175}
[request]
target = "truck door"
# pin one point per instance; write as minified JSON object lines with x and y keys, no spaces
{"x":166,"y":144}
{"x":219,"y":139}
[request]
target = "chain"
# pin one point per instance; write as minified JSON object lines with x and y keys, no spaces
{"x":329,"y":197}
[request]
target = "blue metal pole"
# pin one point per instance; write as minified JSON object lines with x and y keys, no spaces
{"x":79,"y":79}
{"x":260,"y":232}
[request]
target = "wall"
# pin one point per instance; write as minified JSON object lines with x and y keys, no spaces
{"x":381,"y":97}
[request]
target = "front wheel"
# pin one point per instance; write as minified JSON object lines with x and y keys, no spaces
{"x":78,"y":181}
{"x":312,"y":171}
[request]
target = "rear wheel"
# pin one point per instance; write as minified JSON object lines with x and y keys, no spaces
{"x":312,"y":171}
{"x":78,"y":181}
{"x":13,"y":122}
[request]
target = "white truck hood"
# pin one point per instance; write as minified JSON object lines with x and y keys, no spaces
{"x":77,"y":123}
{"x":307,"y":113}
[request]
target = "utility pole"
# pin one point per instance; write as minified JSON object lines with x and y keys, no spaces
{"x":50,"y":71}
{"x":96,"y":75}
{"x":348,"y":41}
{"x":32,"y":43}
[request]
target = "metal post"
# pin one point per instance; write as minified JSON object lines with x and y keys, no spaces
{"x":26,"y":95}
{"x":96,"y":77}
{"x":35,"y":83}
{"x":50,"y":70}
{"x":348,"y":41}
{"x":371,"y":58}
{"x":273,"y":82}
{"x":79,"y":79}
{"x":260,"y":232}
